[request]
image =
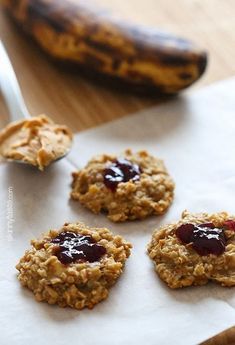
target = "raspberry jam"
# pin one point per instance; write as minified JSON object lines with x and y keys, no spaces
{"x":229,"y":225}
{"x":121,"y":170}
{"x":72,"y":247}
{"x":205,"y":238}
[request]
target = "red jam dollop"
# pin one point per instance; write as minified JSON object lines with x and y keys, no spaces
{"x":229,"y":224}
{"x":205,"y":238}
{"x":121,"y":170}
{"x":72,"y":247}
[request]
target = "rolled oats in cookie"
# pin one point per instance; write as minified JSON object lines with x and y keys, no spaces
{"x":74,"y":266}
{"x":126,"y":187}
{"x":195,"y":250}
{"x":36,"y":141}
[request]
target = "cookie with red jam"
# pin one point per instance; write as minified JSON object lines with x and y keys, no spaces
{"x":74,"y":266}
{"x":195,"y":250}
{"x":126,"y":187}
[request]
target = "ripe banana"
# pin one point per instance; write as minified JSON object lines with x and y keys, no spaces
{"x":71,"y":30}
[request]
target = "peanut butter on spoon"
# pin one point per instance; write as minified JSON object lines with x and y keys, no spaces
{"x":37,"y":141}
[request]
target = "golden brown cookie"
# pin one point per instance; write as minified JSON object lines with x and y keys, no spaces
{"x":196,"y":249}
{"x":126,"y":187}
{"x":74,"y":266}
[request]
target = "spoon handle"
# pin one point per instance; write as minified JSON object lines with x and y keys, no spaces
{"x":10,"y":88}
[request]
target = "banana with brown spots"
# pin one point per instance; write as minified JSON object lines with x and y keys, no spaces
{"x":71,"y":30}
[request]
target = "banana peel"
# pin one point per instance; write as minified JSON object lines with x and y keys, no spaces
{"x":73,"y":31}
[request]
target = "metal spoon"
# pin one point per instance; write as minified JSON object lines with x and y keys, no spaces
{"x":12,"y":94}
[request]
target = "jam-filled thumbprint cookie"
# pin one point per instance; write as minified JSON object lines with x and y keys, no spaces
{"x":195,"y":250}
{"x":74,"y":266}
{"x":126,"y":187}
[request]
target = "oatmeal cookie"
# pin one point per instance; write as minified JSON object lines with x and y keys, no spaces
{"x":127,"y":187}
{"x":197,"y":249}
{"x":74,"y":266}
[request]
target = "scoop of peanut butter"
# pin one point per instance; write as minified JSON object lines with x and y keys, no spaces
{"x":37,"y":141}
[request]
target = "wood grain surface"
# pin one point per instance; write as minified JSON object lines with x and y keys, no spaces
{"x":81,"y":103}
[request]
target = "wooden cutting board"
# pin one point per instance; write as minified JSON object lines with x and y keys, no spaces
{"x":67,"y":97}
{"x":81,"y":104}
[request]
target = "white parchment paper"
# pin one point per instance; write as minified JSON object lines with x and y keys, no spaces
{"x":195,"y":135}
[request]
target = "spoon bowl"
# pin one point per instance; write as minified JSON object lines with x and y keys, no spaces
{"x":13,"y":97}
